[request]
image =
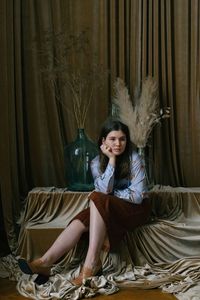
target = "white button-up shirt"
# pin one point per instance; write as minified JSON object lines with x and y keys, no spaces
{"x":132,"y":190}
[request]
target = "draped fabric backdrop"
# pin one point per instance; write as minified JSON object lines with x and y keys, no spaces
{"x":133,"y":39}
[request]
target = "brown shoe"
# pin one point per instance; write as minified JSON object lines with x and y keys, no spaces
{"x":86,"y":273}
{"x":34,"y":267}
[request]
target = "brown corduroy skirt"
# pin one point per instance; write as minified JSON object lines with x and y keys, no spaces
{"x":119,"y":215}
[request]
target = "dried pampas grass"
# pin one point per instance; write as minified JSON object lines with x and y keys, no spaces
{"x":144,"y":115}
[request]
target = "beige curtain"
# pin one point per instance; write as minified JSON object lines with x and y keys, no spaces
{"x":133,"y":39}
{"x":162,"y":39}
{"x":170,"y":52}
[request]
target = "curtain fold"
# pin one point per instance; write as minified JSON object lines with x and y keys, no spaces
{"x":10,"y":69}
{"x":133,"y":39}
{"x":170,"y":53}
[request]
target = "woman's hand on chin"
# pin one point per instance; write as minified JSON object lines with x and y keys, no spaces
{"x":107,"y":150}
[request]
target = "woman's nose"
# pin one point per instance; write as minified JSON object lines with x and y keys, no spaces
{"x":117,"y":142}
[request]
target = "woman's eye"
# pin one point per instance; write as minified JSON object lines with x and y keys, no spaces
{"x":112,"y":139}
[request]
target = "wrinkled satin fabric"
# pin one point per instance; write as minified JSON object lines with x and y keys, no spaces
{"x":165,"y":253}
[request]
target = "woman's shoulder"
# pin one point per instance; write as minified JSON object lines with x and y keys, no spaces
{"x":95,"y":160}
{"x":135,"y":155}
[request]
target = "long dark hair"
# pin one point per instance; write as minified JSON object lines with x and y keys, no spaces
{"x":122,"y":169}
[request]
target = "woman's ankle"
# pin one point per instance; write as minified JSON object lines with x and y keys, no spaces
{"x":45,"y":262}
{"x":92,"y":263}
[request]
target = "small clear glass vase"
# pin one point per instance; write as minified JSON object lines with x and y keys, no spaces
{"x":78,"y":156}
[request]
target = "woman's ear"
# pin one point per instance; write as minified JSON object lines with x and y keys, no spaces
{"x":103,"y":139}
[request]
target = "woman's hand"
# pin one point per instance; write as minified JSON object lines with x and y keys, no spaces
{"x":107,"y":150}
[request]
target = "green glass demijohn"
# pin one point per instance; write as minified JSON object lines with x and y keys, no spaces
{"x":78,"y":156}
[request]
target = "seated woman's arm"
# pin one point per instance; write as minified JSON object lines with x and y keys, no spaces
{"x":103,"y":182}
{"x":136,"y":189}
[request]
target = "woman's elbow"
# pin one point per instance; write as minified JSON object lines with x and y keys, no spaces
{"x":101,"y":189}
{"x":137,"y":199}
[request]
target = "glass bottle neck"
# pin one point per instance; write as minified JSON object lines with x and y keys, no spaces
{"x":81,"y":133}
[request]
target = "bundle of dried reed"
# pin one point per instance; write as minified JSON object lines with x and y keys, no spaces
{"x":144,"y":115}
{"x":71,"y":67}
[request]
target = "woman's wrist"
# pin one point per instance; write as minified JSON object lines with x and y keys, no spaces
{"x":112,"y":161}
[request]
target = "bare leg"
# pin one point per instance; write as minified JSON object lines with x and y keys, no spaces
{"x":71,"y":235}
{"x":97,"y":234}
{"x":65,"y":242}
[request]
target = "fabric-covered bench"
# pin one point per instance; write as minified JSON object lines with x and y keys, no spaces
{"x":163,"y":253}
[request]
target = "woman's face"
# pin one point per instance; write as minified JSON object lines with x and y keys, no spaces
{"x":116,"y":141}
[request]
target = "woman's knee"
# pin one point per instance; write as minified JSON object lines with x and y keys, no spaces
{"x":79,"y":225}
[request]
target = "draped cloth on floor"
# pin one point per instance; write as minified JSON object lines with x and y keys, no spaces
{"x":163,"y":253}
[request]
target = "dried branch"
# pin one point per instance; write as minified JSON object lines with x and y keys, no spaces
{"x":69,"y":60}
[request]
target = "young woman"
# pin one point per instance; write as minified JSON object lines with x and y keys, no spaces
{"x":117,"y":205}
